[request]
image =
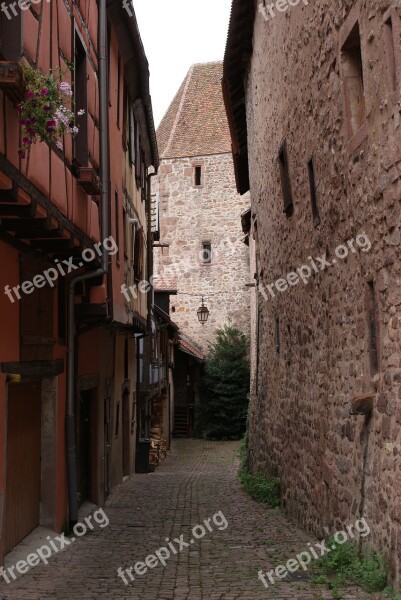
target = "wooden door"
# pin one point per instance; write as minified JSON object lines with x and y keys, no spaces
{"x":126,"y":435}
{"x":23,"y":462}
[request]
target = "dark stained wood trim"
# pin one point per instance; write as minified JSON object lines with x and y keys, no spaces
{"x":41,"y":199}
{"x":88,"y":382}
{"x":34,"y":368}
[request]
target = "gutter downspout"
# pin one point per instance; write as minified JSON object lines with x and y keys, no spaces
{"x":150,"y":295}
{"x":103,"y":270}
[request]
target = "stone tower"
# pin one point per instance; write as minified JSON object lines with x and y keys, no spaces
{"x":200,"y":210}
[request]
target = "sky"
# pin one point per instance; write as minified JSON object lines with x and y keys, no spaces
{"x":176,"y":34}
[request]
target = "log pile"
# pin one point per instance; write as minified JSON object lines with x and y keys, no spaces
{"x":158,"y":447}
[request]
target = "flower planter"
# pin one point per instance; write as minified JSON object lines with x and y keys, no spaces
{"x":46,"y":111}
{"x":89,"y":181}
{"x":12,"y":81}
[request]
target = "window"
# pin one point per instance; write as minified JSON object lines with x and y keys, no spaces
{"x":125,"y":233}
{"x":372,"y":314}
{"x":117,"y":224}
{"x":389,"y":39}
{"x":206,"y":253}
{"x":143,"y":176}
{"x":118,"y":91}
{"x":126,"y":118}
{"x":108,"y":57}
{"x":285,"y":179}
{"x":277,"y":335}
{"x":138,"y":147}
{"x":132,"y":129}
{"x":351,"y":57}
{"x":138,"y":255}
{"x":10,"y":32}
{"x":81,"y":101}
{"x":313,"y":192}
{"x":117,"y":430}
{"x":198,"y":175}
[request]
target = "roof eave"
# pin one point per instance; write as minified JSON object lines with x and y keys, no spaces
{"x":131,"y":49}
{"x":238,"y":50}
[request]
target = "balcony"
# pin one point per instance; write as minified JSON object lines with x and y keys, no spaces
{"x":89,"y":180}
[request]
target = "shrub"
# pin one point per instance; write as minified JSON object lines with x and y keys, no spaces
{"x":223,"y":410}
{"x":345,"y":563}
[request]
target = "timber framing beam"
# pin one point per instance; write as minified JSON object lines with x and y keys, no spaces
{"x":35,"y":368}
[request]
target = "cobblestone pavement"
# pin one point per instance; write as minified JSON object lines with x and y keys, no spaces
{"x":197,"y":481}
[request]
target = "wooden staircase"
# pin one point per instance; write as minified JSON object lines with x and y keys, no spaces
{"x":181,"y":422}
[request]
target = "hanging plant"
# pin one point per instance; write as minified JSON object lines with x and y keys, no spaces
{"x":47,"y":111}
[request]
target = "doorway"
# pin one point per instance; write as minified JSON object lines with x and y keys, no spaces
{"x":23,"y":479}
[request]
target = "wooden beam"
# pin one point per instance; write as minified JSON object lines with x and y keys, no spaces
{"x":34,"y":368}
{"x":16,"y":210}
{"x":25,"y":224}
{"x":36,"y":195}
{"x":9,"y":195}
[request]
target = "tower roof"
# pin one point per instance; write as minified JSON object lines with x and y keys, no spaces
{"x":196,"y":124}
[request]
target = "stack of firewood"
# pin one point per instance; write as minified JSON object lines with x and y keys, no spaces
{"x":158,"y":447}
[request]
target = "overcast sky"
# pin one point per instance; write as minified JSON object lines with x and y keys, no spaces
{"x":176,"y":34}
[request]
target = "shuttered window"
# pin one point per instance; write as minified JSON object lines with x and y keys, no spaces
{"x":285,"y":179}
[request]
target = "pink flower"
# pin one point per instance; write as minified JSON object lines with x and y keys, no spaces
{"x":23,"y":122}
{"x":65,"y":88}
{"x":47,"y":108}
{"x":26,"y":141}
{"x":51,"y":123}
{"x":19,"y":108}
{"x":44,"y":92}
{"x":30,"y":95}
{"x":59,"y":144}
{"x":21,"y":154}
{"x":31,"y":132}
{"x":31,"y":121}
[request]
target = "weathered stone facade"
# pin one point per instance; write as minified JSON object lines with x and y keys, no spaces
{"x":338,"y":336}
{"x":209,"y":213}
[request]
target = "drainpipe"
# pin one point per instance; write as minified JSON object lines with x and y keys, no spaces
{"x":151,"y":292}
{"x":103,"y":270}
{"x":150,"y":249}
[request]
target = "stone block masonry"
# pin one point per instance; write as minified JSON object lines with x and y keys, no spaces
{"x":191,"y":216}
{"x":323,"y":92}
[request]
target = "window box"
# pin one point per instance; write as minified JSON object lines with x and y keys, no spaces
{"x":89,"y":181}
{"x":11,"y":81}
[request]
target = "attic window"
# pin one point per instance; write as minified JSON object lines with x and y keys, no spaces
{"x":198,"y":175}
{"x":313,"y":192}
{"x":206,"y":253}
{"x":285,"y":179}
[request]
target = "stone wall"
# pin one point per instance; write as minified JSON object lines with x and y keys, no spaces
{"x":316,"y":342}
{"x":189,"y":216}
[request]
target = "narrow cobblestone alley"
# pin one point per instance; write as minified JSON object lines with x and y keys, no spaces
{"x":197,"y":481}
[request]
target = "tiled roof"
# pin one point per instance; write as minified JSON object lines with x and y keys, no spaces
{"x":165,"y":284}
{"x":185,"y":344}
{"x":196,"y":122}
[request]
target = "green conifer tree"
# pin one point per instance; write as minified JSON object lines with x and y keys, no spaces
{"x":224,"y":405}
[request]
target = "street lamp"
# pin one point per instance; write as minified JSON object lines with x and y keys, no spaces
{"x":203,"y":313}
